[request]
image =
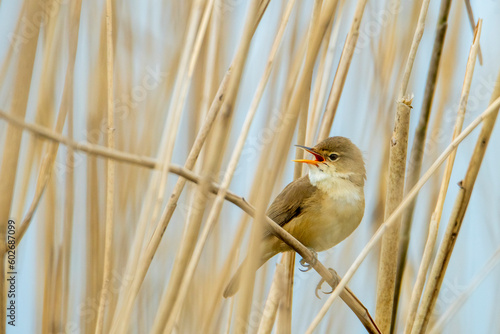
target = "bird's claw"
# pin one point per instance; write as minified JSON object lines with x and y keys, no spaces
{"x":322,"y":280}
{"x":307,"y":266}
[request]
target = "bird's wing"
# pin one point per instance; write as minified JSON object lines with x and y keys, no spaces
{"x":287,"y":205}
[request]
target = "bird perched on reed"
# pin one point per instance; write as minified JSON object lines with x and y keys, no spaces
{"x":319,"y":209}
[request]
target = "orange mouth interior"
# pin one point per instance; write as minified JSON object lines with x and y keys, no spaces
{"x":318,"y":158}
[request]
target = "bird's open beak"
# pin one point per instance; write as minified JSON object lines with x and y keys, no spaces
{"x":319,"y":158}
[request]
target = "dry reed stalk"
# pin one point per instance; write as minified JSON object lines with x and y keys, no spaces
{"x":9,"y":164}
{"x":417,"y":37}
{"x":49,"y":287}
{"x":93,"y":273}
{"x":439,"y":123}
{"x":385,"y":69}
{"x":198,"y":195}
{"x":417,"y":150}
{"x":58,"y":281}
{"x":284,"y":307}
{"x":207,"y":92}
{"x":342,"y":69}
{"x":69,"y":195}
{"x":395,"y":185}
{"x":210,"y":62}
{"x":187,"y":246}
{"x":44,"y":177}
{"x":472,"y":22}
{"x":436,"y":215}
{"x":64,"y":251}
{"x":323,"y":76}
{"x":94,"y":232}
{"x":216,"y":301}
{"x":185,"y":252}
{"x":401,"y":207}
{"x":460,"y":301}
{"x":295,"y":69}
{"x":274,"y":299}
{"x":381,"y":189}
{"x":110,"y":177}
{"x":46,"y":102}
{"x":453,"y":228}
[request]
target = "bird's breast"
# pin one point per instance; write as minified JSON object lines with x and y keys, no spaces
{"x":327,"y":220}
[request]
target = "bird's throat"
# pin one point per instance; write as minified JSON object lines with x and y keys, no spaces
{"x":316,"y":175}
{"x":336,"y":185}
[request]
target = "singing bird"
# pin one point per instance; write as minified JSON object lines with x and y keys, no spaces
{"x":319,"y":209}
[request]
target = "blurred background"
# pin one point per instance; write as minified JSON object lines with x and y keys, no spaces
{"x":53,"y":67}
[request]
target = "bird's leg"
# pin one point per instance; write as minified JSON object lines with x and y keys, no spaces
{"x":307,"y":266}
{"x":322,"y":280}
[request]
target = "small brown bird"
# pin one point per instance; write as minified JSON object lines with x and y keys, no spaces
{"x":320,"y":209}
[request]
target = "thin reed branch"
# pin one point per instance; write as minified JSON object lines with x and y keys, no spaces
{"x":460,"y":301}
{"x":274,"y":299}
{"x":472,"y":22}
{"x":395,"y":186}
{"x":110,"y":177}
{"x":417,"y":37}
{"x":12,"y":147}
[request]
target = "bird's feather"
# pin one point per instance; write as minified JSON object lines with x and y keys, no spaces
{"x":288,"y":204}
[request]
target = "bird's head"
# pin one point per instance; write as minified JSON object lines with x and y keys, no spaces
{"x":336,"y":157}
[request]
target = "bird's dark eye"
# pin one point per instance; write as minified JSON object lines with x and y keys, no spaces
{"x":333,"y":156}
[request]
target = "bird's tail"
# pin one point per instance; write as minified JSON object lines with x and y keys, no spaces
{"x":234,"y":284}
